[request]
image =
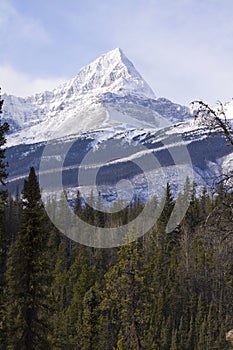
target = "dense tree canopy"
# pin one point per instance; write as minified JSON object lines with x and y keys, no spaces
{"x":165,"y":291}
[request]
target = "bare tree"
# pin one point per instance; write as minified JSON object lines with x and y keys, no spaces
{"x":214,"y":119}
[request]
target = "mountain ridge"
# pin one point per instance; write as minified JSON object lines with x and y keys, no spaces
{"x":109,"y":103}
{"x":107,"y":92}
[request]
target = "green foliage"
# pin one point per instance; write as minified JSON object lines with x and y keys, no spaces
{"x":171,"y":289}
{"x":28,"y":275}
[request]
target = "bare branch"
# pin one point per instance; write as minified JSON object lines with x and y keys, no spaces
{"x":213,"y":118}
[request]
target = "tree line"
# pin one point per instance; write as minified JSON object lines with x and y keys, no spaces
{"x":165,"y":291}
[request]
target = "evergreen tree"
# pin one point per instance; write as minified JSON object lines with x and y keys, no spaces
{"x":89,"y":331}
{"x":170,"y":290}
{"x":74,"y":314}
{"x":28,"y":275}
{"x":59,"y":296}
{"x":168,"y":205}
{"x":124,"y":297}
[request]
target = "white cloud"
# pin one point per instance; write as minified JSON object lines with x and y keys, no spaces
{"x":17,"y":26}
{"x":21,"y":84}
{"x":181,"y":48}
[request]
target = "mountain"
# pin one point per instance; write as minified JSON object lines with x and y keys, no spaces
{"x":110,"y":110}
{"x":107,"y":92}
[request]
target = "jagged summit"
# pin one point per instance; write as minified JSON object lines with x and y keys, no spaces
{"x":109,"y":92}
{"x":108,"y":101}
{"x":111,"y":72}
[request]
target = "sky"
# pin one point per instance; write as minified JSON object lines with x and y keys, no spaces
{"x":182,"y":48}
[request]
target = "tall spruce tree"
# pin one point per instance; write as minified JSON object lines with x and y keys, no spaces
{"x":28,"y":275}
{"x":123,"y":299}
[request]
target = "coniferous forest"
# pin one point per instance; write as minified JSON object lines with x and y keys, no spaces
{"x":165,"y":291}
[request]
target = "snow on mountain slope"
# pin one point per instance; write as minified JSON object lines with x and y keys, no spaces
{"x":229,"y":110}
{"x":110,"y":72}
{"x":108,"y":92}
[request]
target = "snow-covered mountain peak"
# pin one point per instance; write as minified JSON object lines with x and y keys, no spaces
{"x":111,"y":72}
{"x":108,"y":92}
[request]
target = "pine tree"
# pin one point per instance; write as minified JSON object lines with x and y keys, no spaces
{"x":28,"y":275}
{"x":89,"y":331}
{"x":74,"y":314}
{"x":124,"y":297}
{"x":168,"y":205}
{"x":60,"y":299}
